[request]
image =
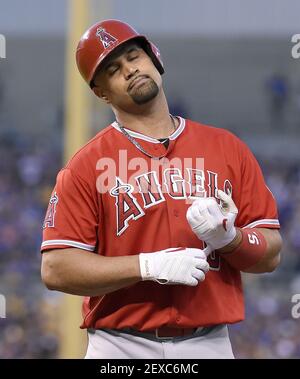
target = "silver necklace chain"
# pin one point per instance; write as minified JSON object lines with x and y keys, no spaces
{"x":137,"y":145}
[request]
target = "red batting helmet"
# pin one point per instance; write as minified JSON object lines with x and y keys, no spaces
{"x":101,"y":39}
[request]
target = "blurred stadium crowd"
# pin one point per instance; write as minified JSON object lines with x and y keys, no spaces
{"x":28,"y":170}
{"x":269,"y":330}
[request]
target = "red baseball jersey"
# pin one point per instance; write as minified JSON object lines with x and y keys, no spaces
{"x":112,"y":199}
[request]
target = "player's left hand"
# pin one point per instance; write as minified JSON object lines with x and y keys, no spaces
{"x":211,"y":222}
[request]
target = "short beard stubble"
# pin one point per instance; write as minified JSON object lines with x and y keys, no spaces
{"x":147,"y":92}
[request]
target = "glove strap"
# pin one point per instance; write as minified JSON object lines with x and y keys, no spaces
{"x":145,"y":269}
{"x":250,"y":251}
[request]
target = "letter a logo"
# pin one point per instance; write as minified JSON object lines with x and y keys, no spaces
{"x":106,"y":38}
{"x":49,"y":219}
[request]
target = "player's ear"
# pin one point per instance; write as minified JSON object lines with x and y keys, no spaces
{"x":105,"y":98}
{"x":101,"y":94}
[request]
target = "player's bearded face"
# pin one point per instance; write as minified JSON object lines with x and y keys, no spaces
{"x":128,"y":75}
{"x":144,"y":90}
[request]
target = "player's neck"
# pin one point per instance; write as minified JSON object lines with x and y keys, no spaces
{"x":153,"y":121}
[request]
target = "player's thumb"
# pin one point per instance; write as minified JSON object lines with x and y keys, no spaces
{"x":228,"y":204}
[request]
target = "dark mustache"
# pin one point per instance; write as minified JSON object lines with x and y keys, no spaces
{"x":136,"y":78}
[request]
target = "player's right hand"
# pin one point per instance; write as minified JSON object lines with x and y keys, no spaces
{"x":186,"y":266}
{"x":211,"y":222}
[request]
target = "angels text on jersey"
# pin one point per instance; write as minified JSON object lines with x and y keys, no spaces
{"x":174,"y":184}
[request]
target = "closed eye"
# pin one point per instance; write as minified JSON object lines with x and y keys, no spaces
{"x":132,"y":54}
{"x":111,"y":70}
{"x":133,"y":57}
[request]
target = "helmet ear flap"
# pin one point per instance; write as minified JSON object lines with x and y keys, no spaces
{"x":154,"y":53}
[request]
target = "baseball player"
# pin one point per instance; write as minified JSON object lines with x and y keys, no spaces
{"x":153,"y":220}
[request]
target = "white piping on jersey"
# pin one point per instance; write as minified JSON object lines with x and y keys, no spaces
{"x":80,"y":245}
{"x":173,"y":136}
{"x":265,"y":221}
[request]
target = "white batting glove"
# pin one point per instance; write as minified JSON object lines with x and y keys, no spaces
{"x":211,"y":222}
{"x":174,"y":266}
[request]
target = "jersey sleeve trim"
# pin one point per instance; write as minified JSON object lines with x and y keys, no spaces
{"x":266,"y":221}
{"x":79,"y":245}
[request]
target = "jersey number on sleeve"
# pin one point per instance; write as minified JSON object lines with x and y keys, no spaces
{"x":253,"y":239}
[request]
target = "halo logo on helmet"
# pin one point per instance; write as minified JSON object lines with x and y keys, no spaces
{"x":106,"y":38}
